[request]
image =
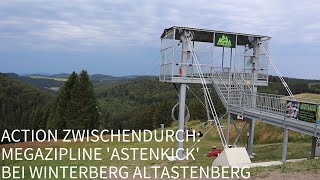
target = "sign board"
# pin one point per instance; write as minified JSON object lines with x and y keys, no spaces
{"x":225,"y":40}
{"x":308,"y":112}
{"x":303,"y":111}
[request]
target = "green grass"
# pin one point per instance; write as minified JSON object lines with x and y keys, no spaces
{"x":308,"y":96}
{"x":44,"y":77}
{"x":265,"y":152}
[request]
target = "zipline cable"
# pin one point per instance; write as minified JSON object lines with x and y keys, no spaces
{"x":207,"y":94}
{"x":277,"y":71}
{"x":205,"y":133}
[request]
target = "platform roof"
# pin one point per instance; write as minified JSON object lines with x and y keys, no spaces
{"x":205,"y":35}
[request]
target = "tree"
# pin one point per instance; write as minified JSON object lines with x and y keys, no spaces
{"x":88,"y":105}
{"x":76,"y":105}
{"x":64,"y":113}
{"x":73,"y":113}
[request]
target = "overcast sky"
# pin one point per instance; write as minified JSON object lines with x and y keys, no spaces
{"x":121,"y":37}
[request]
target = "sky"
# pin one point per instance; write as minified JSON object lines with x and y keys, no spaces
{"x":122,"y":37}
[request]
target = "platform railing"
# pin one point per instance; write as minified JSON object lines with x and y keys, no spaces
{"x":270,"y":104}
{"x":165,"y":72}
{"x":267,"y":103}
{"x":170,"y":70}
{"x":221,"y":72}
{"x":275,"y":104}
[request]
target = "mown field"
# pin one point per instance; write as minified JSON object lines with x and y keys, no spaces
{"x":53,"y":78}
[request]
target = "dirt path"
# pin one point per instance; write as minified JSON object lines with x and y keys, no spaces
{"x":305,"y":175}
{"x":275,"y":175}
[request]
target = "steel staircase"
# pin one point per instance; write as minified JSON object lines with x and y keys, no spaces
{"x":236,"y":94}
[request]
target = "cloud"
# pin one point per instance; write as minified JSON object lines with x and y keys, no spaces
{"x":90,"y":24}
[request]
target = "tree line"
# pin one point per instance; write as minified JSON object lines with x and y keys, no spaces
{"x":22,"y":106}
{"x":25,"y":107}
{"x":139,"y":103}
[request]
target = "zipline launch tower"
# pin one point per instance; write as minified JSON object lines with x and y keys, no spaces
{"x":234,"y":64}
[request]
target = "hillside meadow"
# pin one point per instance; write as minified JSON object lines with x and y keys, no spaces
{"x":298,"y":147}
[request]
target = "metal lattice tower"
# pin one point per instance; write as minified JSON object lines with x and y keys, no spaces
{"x":234,"y":64}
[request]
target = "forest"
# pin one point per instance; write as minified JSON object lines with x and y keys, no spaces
{"x":22,"y":105}
{"x":100,"y":101}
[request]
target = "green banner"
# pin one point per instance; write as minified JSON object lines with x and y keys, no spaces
{"x":303,"y":111}
{"x":308,"y":112}
{"x":225,"y":40}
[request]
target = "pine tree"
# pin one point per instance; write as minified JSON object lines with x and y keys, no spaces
{"x":88,"y":103}
{"x":63,"y":114}
{"x":76,"y":105}
{"x":73,"y":113}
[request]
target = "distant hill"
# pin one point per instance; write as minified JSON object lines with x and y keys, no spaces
{"x":61,"y":75}
{"x":10,"y":74}
{"x":93,"y":76}
{"x":55,"y":81}
{"x":41,"y":82}
{"x":102,"y":77}
{"x":131,"y":77}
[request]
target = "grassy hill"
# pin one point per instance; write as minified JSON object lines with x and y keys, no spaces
{"x":308,"y":96}
{"x":265,"y":152}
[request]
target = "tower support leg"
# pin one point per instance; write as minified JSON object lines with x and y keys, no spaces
{"x":228,"y":128}
{"x":251,"y":136}
{"x":285,"y":145}
{"x":182,"y":97}
{"x":181,"y":125}
{"x":313,"y":148}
